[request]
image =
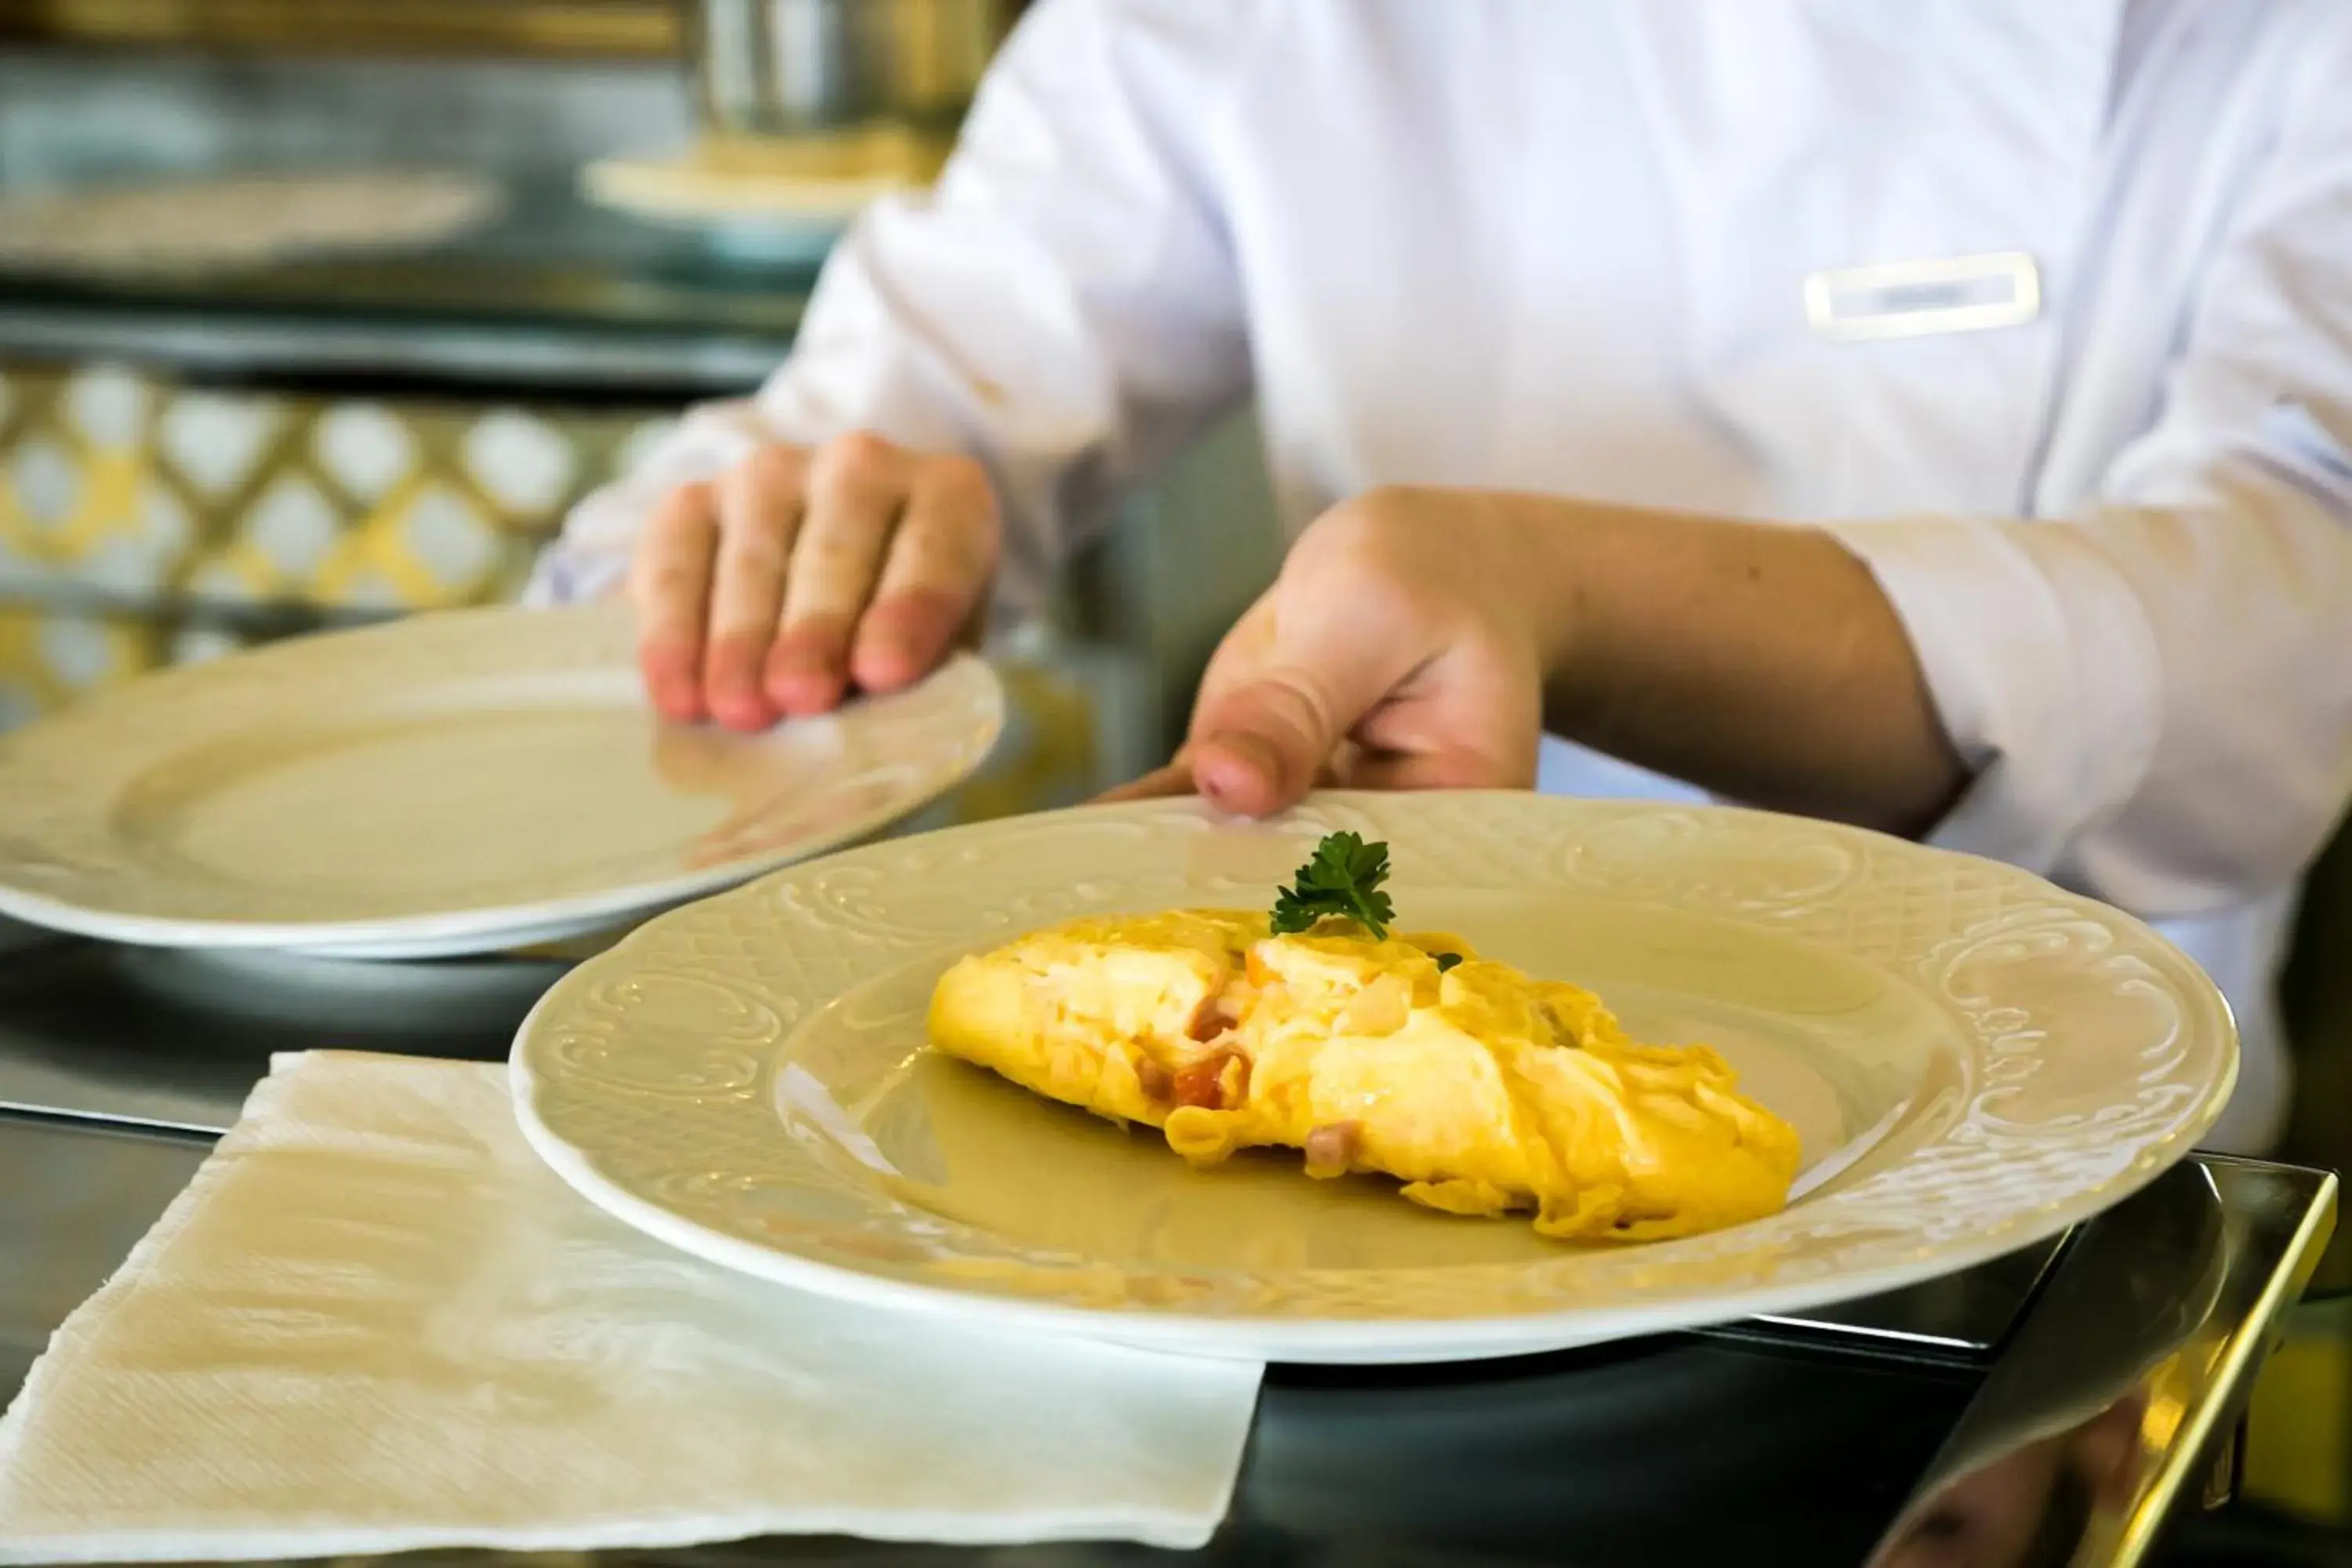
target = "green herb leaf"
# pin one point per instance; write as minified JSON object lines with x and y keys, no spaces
{"x":1446,"y":961}
{"x":1344,"y":880}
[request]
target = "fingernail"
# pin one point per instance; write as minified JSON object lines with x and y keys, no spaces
{"x":885,"y":666}
{"x":747,"y":714}
{"x":804,"y":691}
{"x":1239,"y":773}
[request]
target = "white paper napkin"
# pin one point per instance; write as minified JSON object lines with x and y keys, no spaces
{"x":375,"y":1322}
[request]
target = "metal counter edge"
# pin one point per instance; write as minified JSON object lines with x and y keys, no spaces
{"x":2271,"y":1239}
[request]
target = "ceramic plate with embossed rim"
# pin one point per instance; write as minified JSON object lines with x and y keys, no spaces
{"x":1975,"y":1060}
{"x":450,"y":784}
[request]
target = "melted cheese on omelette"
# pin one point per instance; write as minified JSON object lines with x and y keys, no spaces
{"x":1484,"y":1091}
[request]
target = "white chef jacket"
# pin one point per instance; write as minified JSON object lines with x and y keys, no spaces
{"x":1565,"y":248}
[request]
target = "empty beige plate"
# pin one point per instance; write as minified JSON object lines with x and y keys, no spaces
{"x":451,"y":783}
{"x":1975,"y":1060}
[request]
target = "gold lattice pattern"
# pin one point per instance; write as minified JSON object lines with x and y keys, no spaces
{"x":48,"y":658}
{"x":124,"y":482}
{"x":155,"y":495}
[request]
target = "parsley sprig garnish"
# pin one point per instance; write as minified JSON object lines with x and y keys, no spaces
{"x":1343,"y":880}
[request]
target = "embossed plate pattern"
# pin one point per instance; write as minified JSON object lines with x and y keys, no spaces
{"x":1975,"y":1059}
{"x":449,"y":784}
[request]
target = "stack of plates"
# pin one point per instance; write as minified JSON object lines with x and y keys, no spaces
{"x":458,"y":783}
{"x":779,"y":200}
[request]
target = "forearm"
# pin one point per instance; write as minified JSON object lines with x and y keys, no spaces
{"x":1758,"y":662}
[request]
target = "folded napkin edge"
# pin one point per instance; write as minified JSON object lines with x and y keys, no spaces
{"x":1169,"y":1524}
{"x":1149,"y":1527}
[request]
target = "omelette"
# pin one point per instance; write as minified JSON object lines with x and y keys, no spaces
{"x":1483,"y":1090}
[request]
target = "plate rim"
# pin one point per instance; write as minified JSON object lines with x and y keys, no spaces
{"x":485,"y":927}
{"x":1374,"y":1340}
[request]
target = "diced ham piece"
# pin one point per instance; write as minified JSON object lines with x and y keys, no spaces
{"x":1331,"y":1149}
{"x":1218,"y":1081}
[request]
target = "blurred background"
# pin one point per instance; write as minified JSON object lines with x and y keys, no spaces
{"x":318,"y":311}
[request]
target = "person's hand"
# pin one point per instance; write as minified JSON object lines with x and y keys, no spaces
{"x":799,"y":571}
{"x":1422,"y":638}
{"x":1404,"y":646}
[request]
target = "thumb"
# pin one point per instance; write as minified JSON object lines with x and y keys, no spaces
{"x":1260,"y":739}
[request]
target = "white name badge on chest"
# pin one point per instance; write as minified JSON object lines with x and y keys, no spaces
{"x":1917,"y":298}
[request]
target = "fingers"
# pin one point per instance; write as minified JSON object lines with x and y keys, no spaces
{"x":856,"y":486}
{"x":1472,"y":717}
{"x":940,"y":561}
{"x":1455,"y":768}
{"x":1259,"y":742}
{"x":1175,"y":778}
{"x":767,"y":591}
{"x":669,"y":586}
{"x":1161,"y":784}
{"x":760,"y":507}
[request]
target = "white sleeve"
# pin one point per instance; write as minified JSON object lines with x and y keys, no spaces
{"x":1062,"y":307}
{"x":2157,"y":692}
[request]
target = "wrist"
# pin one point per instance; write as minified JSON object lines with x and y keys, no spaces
{"x":1549,"y":565}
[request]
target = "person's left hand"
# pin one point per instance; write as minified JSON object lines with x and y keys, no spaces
{"x":1422,"y":638}
{"x":1404,"y":646}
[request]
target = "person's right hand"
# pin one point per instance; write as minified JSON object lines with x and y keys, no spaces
{"x":801,"y":572}
{"x":1403,"y":646}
